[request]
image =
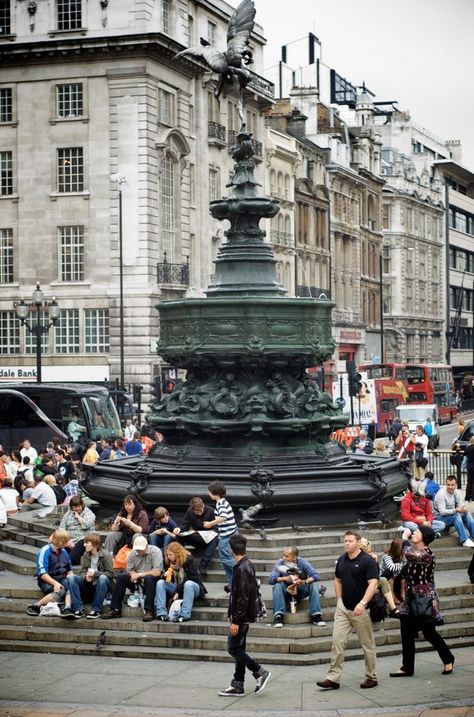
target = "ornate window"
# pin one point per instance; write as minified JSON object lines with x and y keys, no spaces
{"x":166,"y":107}
{"x":172,"y":150}
{"x":214,"y":183}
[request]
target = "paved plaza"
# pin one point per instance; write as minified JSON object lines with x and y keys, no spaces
{"x":36,"y":685}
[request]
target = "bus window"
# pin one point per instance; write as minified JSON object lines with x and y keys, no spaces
{"x":415,"y":374}
{"x":417,"y":397}
{"x":102,"y":416}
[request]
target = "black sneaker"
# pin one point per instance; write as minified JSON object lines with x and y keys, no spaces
{"x":67,"y":613}
{"x":227,"y":588}
{"x":79,"y":613}
{"x":163,"y":618}
{"x":317,"y":620}
{"x":93,"y":615}
{"x":181,"y":619}
{"x":278,"y":620}
{"x":262,"y":680}
{"x":33,"y":610}
{"x":234,"y":690}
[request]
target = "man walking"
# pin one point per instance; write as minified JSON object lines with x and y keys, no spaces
{"x":355,"y":584}
{"x":242,"y":611}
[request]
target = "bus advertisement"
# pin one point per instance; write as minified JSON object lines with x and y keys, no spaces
{"x":364,"y":405}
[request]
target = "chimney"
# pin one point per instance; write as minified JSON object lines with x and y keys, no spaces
{"x":296,"y":122}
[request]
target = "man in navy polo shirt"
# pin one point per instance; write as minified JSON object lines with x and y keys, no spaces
{"x":355,"y":584}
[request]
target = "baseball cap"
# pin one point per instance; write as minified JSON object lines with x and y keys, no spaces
{"x":140,"y":543}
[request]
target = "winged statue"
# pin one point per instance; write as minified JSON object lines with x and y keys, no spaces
{"x":230,"y":64}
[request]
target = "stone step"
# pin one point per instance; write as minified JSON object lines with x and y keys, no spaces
{"x":205,"y":655}
{"x":16,"y":564}
{"x":267,"y":648}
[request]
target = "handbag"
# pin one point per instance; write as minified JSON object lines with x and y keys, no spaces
{"x":120,"y":560}
{"x":421,"y":607}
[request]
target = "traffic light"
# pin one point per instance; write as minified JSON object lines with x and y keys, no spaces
{"x":355,"y":384}
{"x":137,"y":393}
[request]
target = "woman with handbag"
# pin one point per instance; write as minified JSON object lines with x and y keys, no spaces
{"x":420,"y":607}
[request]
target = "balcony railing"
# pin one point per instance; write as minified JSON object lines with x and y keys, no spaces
{"x":256,"y":146}
{"x":261,"y":85}
{"x":168,"y":273}
{"x":216,"y":133}
{"x":313,"y":291}
{"x":283,"y":238}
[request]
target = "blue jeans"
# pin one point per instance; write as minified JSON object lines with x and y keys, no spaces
{"x":46,"y":588}
{"x":463,"y":524}
{"x":161,"y":541}
{"x":191,"y":591}
{"x":311,"y":590}
{"x":437,"y":525}
{"x":226,"y":558}
{"x":81,"y":590}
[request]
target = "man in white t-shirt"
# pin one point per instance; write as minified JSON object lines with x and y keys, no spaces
{"x":28,"y":450}
{"x":42,"y":499}
{"x":420,"y":454}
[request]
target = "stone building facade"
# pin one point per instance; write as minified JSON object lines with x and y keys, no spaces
{"x":93,"y":106}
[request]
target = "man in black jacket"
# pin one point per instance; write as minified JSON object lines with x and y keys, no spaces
{"x":242,"y":611}
{"x":207,"y":540}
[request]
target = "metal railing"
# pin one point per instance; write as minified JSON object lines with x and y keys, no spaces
{"x":168,"y":273}
{"x":261,"y":85}
{"x":443,"y":463}
{"x":216,"y":131}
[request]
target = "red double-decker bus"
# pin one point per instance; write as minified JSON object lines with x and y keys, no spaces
{"x":433,"y":383}
{"x":422,"y":383}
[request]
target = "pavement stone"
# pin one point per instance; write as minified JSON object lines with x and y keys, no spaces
{"x":116,"y":687}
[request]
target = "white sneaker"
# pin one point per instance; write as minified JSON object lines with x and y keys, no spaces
{"x":468,"y":543}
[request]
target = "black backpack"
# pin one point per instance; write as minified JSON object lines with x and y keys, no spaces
{"x":377,"y":607}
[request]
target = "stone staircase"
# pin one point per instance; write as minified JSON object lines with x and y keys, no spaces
{"x":204,"y":638}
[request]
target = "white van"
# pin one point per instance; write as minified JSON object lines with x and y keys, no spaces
{"x":416,"y":415}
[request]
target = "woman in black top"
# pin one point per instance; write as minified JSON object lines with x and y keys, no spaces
{"x":418,"y":582}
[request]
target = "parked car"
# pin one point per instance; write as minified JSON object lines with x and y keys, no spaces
{"x":465,"y":436}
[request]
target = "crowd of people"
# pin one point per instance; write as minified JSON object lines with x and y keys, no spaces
{"x":153,"y":558}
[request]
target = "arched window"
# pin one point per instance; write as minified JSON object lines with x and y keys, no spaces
{"x":167,"y":222}
{"x":273,"y":187}
{"x":280,"y":184}
{"x":287,"y":186}
{"x":172,"y":150}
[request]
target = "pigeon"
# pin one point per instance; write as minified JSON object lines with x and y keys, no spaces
{"x":100,"y":640}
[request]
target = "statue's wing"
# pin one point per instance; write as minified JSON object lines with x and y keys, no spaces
{"x":215,"y":59}
{"x":240,"y":26}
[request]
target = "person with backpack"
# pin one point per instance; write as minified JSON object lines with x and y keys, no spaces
{"x":242,"y":611}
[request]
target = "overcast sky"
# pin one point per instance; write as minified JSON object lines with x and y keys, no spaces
{"x":419,"y":52}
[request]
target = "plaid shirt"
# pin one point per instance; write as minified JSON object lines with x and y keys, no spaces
{"x":71,"y":488}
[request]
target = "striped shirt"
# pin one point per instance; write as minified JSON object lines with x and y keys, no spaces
{"x":223,"y":509}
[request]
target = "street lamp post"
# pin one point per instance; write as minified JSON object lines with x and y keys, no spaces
{"x":119,"y":179}
{"x":37,"y":328}
{"x":382,"y":348}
